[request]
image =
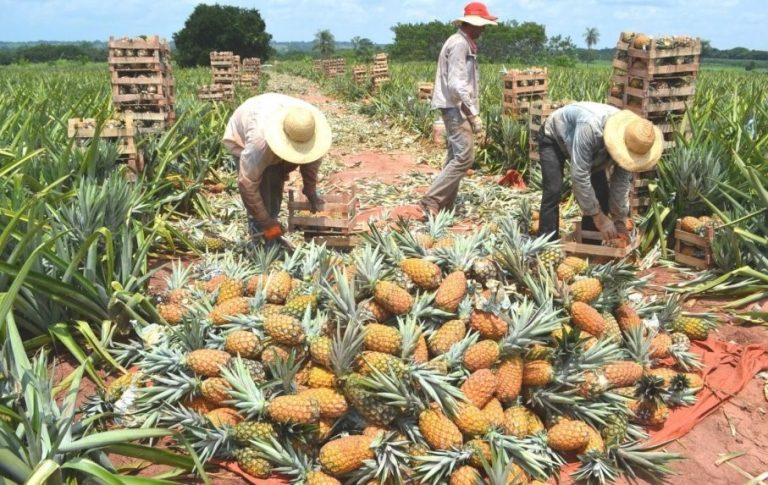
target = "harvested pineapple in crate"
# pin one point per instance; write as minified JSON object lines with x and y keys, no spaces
{"x":693,"y":241}
{"x":332,"y":225}
{"x":583,"y":243}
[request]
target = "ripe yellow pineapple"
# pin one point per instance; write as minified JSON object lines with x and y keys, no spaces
{"x":534,"y":423}
{"x":494,"y":412}
{"x":213,"y":284}
{"x":228,"y":289}
{"x":481,"y":355}
{"x":612,"y":329}
{"x":465,"y":475}
{"x":691,"y":224}
{"x":694,"y":328}
{"x":368,"y":360}
{"x":199,"y":404}
{"x":471,"y":420}
{"x":586,"y":290}
{"x":297,"y":305}
{"x":421,"y":351}
{"x":332,"y":403}
{"x":439,"y":431}
{"x":393,"y":298}
{"x":274,"y":352}
{"x":537,"y":373}
{"x":479,"y":448}
{"x":665,"y":373}
{"x":568,"y":435}
{"x":243,"y":343}
{"x":448,"y":334}
{"x":293,"y":409}
{"x":254,"y":283}
{"x":660,"y":346}
{"x":206,"y":362}
{"x":425,"y":240}
{"x":284,"y":329}
{"x":648,"y":413}
{"x":516,"y":421}
{"x":424,"y":274}
{"x":587,"y":319}
{"x":278,"y":285}
{"x":344,"y":455}
{"x":487,"y":324}
{"x":223,"y":417}
{"x":382,"y":338}
{"x":379,"y":313}
{"x":173,"y":313}
{"x":480,"y":387}
{"x":320,"y":350}
{"x":627,"y":317}
{"x":565,"y":272}
{"x":246,"y":431}
{"x":316,"y":477}
{"x":320,"y":377}
{"x":230,"y":308}
{"x":216,"y":390}
{"x":622,"y":373}
{"x":579,"y":265}
{"x":249,"y":461}
{"x":595,"y":443}
{"x":452,"y":290}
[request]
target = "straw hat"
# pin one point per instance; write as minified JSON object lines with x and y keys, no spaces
{"x":633,"y":142}
{"x":476,"y":13}
{"x":298,"y":134}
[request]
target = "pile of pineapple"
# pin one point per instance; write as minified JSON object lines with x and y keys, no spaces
{"x":422,"y":357}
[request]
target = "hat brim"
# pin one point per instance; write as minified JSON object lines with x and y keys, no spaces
{"x":293,"y":151}
{"x":613,"y":135}
{"x":475,"y":20}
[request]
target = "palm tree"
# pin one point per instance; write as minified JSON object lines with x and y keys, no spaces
{"x":591,"y":37}
{"x":325,"y":43}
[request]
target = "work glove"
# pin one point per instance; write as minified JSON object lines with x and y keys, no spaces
{"x":273,"y":230}
{"x":476,"y":123}
{"x":315,"y":201}
{"x":605,"y":225}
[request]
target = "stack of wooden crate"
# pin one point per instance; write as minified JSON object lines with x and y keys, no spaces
{"x":212,"y":92}
{"x":655,"y":78}
{"x":121,"y":132}
{"x":317,"y":66}
{"x":425,"y":91}
{"x":359,"y":74}
{"x":380,"y":73}
{"x":250,"y":72}
{"x":334,"y":67}
{"x":142,"y":81}
{"x":539,"y":112}
{"x":224,"y":72}
{"x":523,"y":88}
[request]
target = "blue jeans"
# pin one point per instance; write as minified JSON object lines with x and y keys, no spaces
{"x":460,"y":158}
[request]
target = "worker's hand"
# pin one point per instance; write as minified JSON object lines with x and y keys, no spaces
{"x":605,"y":225}
{"x":273,"y":230}
{"x":315,"y":201}
{"x":476,"y":123}
{"x":621,"y":225}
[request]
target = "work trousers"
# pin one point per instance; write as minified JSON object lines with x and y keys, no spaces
{"x":271,"y":190}
{"x":459,"y":158}
{"x":552,"y":162}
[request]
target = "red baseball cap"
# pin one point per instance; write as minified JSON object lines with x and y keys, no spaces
{"x":476,"y":13}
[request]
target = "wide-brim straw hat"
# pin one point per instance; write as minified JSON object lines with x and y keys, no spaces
{"x":298,"y":134}
{"x":634,"y":143}
{"x":477,"y":14}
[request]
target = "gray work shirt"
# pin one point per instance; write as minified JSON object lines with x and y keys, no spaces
{"x":578,"y":130}
{"x":456,"y":81}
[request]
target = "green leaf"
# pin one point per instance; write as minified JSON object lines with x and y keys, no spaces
{"x":154,"y":455}
{"x":42,"y":473}
{"x":12,"y":467}
{"x":114,"y":437}
{"x":95,"y":470}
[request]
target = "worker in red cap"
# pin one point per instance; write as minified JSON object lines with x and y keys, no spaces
{"x":457,"y":95}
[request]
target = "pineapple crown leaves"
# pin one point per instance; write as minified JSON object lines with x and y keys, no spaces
{"x":517,"y":253}
{"x":436,"y":466}
{"x":638,"y":460}
{"x":284,"y":372}
{"x":573,"y":355}
{"x":210,"y":441}
{"x":162,"y":360}
{"x":168,"y":388}
{"x":341,"y":300}
{"x":651,"y":388}
{"x":370,"y":266}
{"x":346,"y":345}
{"x":191,"y":335}
{"x":670,"y":310}
{"x":462,"y":253}
{"x":411,"y":331}
{"x":126,"y":354}
{"x":247,"y":397}
{"x":288,"y":461}
{"x":547,"y":458}
{"x":251,"y":323}
{"x":637,"y":345}
{"x":407,"y":243}
{"x":595,"y":467}
{"x":618,"y":273}
{"x":558,"y":400}
{"x":438,"y":224}
{"x":180,"y":417}
{"x":507,"y":449}
{"x":385,"y":243}
{"x":529,"y":323}
{"x":680,"y":393}
{"x":685,"y":360}
{"x":391,"y":460}
{"x":423,"y":308}
{"x":179,"y":276}
{"x":455,"y":355}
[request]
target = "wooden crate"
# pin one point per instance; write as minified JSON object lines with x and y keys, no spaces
{"x":335,"y":230}
{"x":213,"y":92}
{"x":121,"y":131}
{"x":425,"y":90}
{"x":574,"y":244}
{"x":359,"y":74}
{"x":700,"y":246}
{"x":522,"y":88}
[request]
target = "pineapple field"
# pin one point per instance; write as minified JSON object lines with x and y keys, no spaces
{"x":145,"y":339}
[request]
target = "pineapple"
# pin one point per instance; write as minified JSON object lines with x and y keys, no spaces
{"x":450,"y":333}
{"x":439,"y":431}
{"x":465,"y":475}
{"x":579,"y":265}
{"x":383,"y":338}
{"x":230,"y":308}
{"x":471,"y":420}
{"x":220,"y":417}
{"x":207,"y":362}
{"x":595,"y":443}
{"x":494,"y":412}
{"x":297,"y":305}
{"x":586,"y":290}
{"x":694,"y":328}
{"x":228,"y":289}
{"x":278,"y":286}
{"x":612,"y":329}
{"x":316,"y":477}
{"x":487,"y":324}
{"x":176,"y":282}
{"x":292,"y":409}
{"x":452,"y":290}
{"x":648,"y":413}
{"x":627,"y":317}
{"x":173,"y":313}
{"x":243,"y":343}
{"x":392,"y":298}
{"x":510,"y":375}
{"x":550,"y":256}
{"x":332,"y":404}
{"x":565,"y":272}
{"x":587,"y":319}
{"x":213,"y":284}
{"x":216,"y":390}
{"x":692,"y":224}
{"x":695,"y":381}
{"x":615,"y":430}
{"x":249,"y":460}
{"x":246,"y":431}
{"x":379,"y":313}
{"x":622,"y":373}
{"x":346,"y":454}
{"x":424,"y":274}
{"x":199,"y":404}
{"x":568,"y":435}
{"x":516,"y":421}
{"x":537,"y":373}
{"x":482,"y":355}
{"x":366,"y":403}
{"x":484,"y":270}
{"x":274,"y":353}
{"x":284,"y":329}
{"x":664,"y":373}
{"x":254,"y":283}
{"x":480,"y":449}
{"x":367,"y":361}
{"x":660,"y":346}
{"x":421,"y":351}
{"x":480,"y":387}
{"x":535,"y":425}
{"x":320,"y":350}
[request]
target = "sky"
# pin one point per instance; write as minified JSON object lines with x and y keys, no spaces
{"x":726,"y":23}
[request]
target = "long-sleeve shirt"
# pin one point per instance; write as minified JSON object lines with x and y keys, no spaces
{"x":457,"y":78}
{"x":578,"y":130}
{"x":244,"y":138}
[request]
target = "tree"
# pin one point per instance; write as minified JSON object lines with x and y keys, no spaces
{"x":562,"y":51}
{"x":591,"y":37}
{"x":363,"y":48}
{"x":325,"y":43}
{"x":221,"y":28}
{"x":513,"y":42}
{"x":420,"y":42}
